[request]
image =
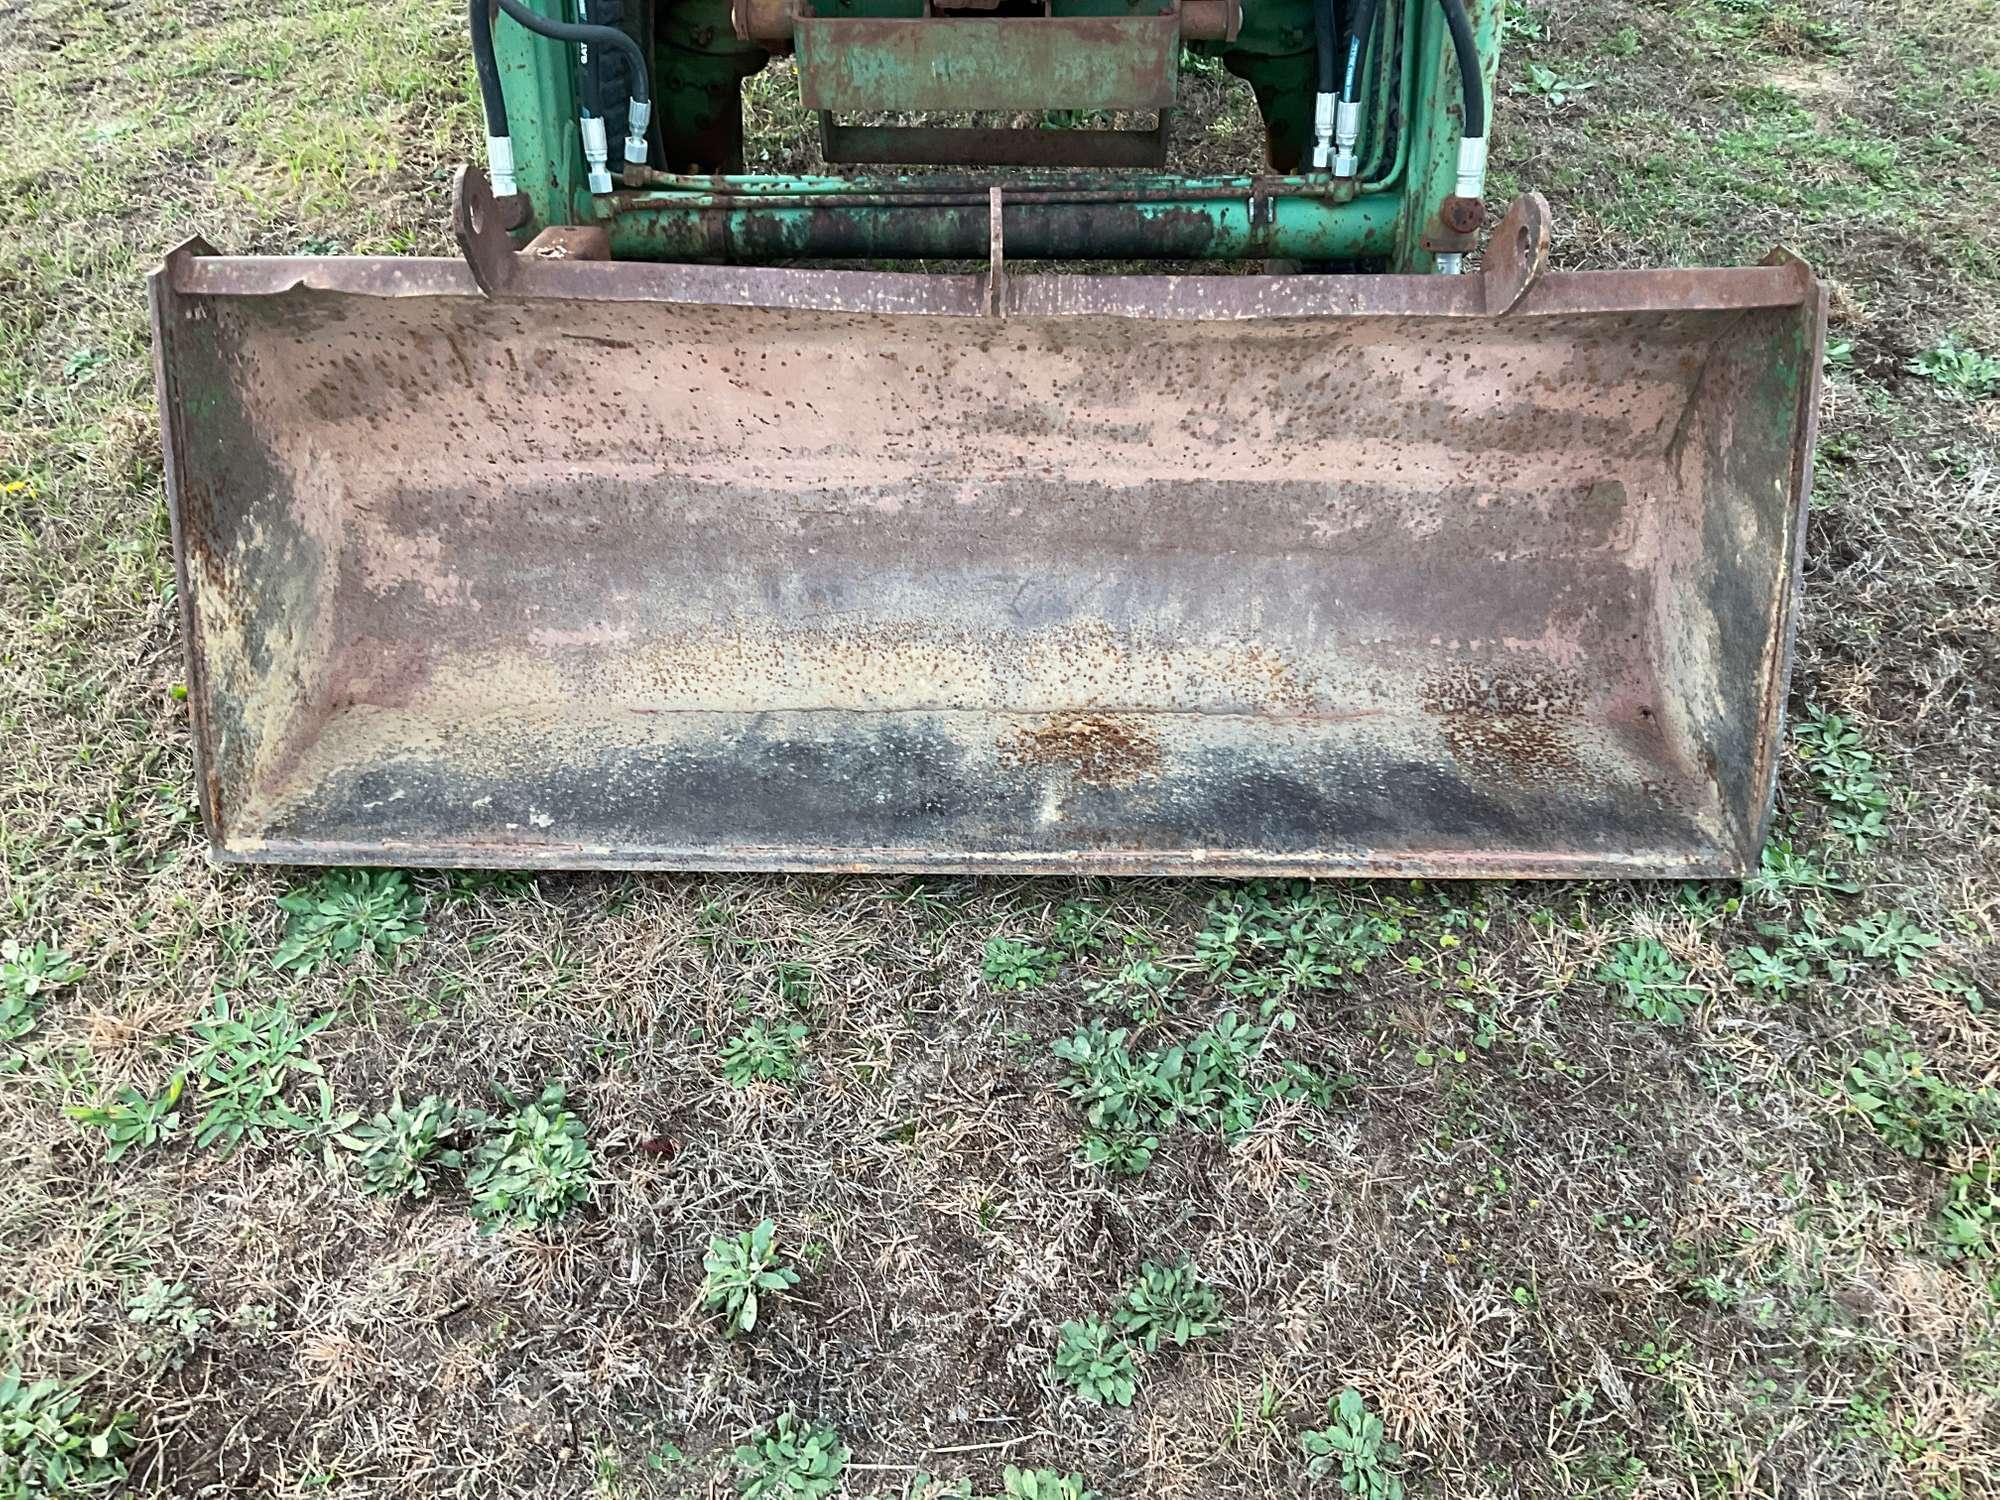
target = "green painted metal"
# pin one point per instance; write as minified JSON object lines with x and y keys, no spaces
{"x":989,"y":63}
{"x":746,"y":230}
{"x":699,"y":64}
{"x":910,"y":9}
{"x":1273,"y":53}
{"x":1409,"y":156}
{"x":1439,"y":123}
{"x":537,"y":78}
{"x":702,"y":190}
{"x":1390,"y":147}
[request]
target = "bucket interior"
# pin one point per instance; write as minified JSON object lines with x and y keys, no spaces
{"x":595,"y":583}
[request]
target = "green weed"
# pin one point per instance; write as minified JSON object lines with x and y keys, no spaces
{"x":52,"y":1445}
{"x":1353,"y":1448}
{"x":535,"y":1169}
{"x":82,"y":364}
{"x":762,"y":1053}
{"x":317,"y":1125}
{"x":345,"y":913}
{"x":1126,"y":1098}
{"x":1707,"y":902}
{"x":1121,"y":1153}
{"x":1968,"y":1223}
{"x":1888,"y":937}
{"x":741,"y":1271}
{"x":1872,"y":1418}
{"x":1171,"y":1303}
{"x":1520,"y":24}
{"x":1117,"y":1092}
{"x":1612,"y":1470}
{"x":1078,"y":930}
{"x":107,"y":832}
{"x":243,"y":1069}
{"x":176,"y":1319}
{"x":1911,"y":1108}
{"x":790,"y":1461}
{"x":501,"y":885}
{"x":134,"y":1120}
{"x":1140,"y":988}
{"x":27,"y":974}
{"x":1267,"y":939}
{"x":1554,"y":88}
{"x":1010,"y":964}
{"x":1782,"y":869}
{"x":793,"y":981}
{"x":1959,"y":370}
{"x":1959,"y":988}
{"x":1844,"y":773}
{"x":1096,"y":1364}
{"x":1769,"y":971}
{"x":1200,"y":64}
{"x":1815,"y":940}
{"x":1297,"y":1081}
{"x":402,"y":1149}
{"x":1644,"y":977}
{"x":1624,"y":42}
{"x":1044,"y":1484}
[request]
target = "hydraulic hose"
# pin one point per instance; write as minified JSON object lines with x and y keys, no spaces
{"x":1357,"y":48}
{"x":1326,"y":42}
{"x":1347,"y":115}
{"x":489,"y":70}
{"x":1325,"y":45}
{"x":499,"y":139}
{"x":639,"y":111}
{"x":1472,"y":144}
{"x":586,"y":36}
{"x":1468,"y":67}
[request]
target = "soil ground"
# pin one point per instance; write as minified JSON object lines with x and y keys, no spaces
{"x":1584,"y":1189}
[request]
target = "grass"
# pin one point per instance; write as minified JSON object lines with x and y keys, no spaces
{"x":1607,"y":1190}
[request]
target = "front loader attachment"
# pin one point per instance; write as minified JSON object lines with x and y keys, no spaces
{"x":640,"y":565}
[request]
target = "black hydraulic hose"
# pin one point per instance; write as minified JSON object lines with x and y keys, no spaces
{"x":1326,"y":43}
{"x":586,"y":36}
{"x":1468,"y":66}
{"x":1357,"y":49}
{"x":589,"y":84}
{"x":489,"y":70}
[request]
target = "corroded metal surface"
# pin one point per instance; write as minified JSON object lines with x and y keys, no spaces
{"x":988,"y":63}
{"x":693,"y":566}
{"x":771,"y":21}
{"x":997,"y":146}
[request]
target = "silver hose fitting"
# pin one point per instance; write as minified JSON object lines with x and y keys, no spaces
{"x":638,"y":115}
{"x":1346,"y":133}
{"x":1472,"y":166}
{"x":500,"y":165}
{"x":596,"y":153}
{"x":1471,"y":184}
{"x":1324,"y":108}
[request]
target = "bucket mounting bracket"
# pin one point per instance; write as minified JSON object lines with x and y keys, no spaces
{"x":479,"y":222}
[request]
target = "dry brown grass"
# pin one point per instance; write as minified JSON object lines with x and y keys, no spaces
{"x":1558,"y":1248}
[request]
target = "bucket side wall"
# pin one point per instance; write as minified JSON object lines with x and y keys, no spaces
{"x":1725,"y":608}
{"x":258,"y":554}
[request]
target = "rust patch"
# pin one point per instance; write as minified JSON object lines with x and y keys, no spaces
{"x":1509,"y":720}
{"x":1103,"y":749}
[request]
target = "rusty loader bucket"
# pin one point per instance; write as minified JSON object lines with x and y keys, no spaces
{"x":582,"y":563}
